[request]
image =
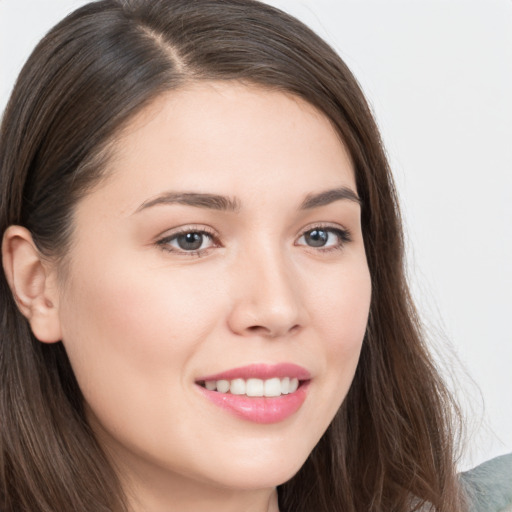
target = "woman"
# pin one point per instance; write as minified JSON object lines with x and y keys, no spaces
{"x":203,"y":298}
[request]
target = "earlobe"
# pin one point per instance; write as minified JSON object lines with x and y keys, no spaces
{"x":32,"y":283}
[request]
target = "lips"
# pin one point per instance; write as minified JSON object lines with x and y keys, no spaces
{"x":261,"y":371}
{"x":258,"y":393}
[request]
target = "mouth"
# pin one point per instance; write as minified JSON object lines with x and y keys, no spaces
{"x":258,"y":393}
{"x":253,"y":387}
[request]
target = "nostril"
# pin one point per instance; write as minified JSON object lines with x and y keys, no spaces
{"x":294,"y":329}
{"x":258,"y":329}
{"x":271,"y":333}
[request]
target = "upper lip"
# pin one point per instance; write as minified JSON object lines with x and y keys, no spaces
{"x":260,"y":371}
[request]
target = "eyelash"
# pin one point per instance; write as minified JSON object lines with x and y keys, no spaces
{"x":344,"y":237}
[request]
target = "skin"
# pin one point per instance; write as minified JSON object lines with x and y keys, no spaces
{"x":141,"y":320}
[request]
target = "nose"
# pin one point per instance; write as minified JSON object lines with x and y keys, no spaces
{"x":266,"y":297}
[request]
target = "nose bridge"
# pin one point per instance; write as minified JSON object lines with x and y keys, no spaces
{"x":268,"y":301}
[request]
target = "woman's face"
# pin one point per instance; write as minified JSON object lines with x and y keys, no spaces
{"x":224,"y":245}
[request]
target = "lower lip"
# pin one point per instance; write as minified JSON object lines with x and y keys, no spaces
{"x":259,"y":409}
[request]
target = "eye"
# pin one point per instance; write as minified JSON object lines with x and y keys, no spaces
{"x":325,"y":238}
{"x":188,"y":242}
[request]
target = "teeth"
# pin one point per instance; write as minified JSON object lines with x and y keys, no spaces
{"x":222,"y":386}
{"x":211,"y":385}
{"x":254,"y":387}
{"x":272,"y":387}
{"x":237,"y":387}
{"x":285,"y":385}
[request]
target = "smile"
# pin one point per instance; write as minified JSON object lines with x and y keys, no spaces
{"x":258,"y":393}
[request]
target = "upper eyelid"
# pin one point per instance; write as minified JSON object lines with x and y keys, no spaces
{"x":170,"y":233}
{"x":323,"y":225}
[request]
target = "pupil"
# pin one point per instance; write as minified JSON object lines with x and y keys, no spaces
{"x":317,"y":238}
{"x":190,"y":241}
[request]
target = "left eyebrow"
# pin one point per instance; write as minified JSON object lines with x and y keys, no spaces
{"x":328,"y":197}
{"x":199,"y":200}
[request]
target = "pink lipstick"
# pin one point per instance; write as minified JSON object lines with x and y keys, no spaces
{"x":261,"y":371}
{"x":259,"y":393}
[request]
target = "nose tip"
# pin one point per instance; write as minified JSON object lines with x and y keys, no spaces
{"x":267,"y":302}
{"x":252,"y":319}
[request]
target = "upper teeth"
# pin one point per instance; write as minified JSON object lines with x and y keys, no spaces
{"x":254,"y":387}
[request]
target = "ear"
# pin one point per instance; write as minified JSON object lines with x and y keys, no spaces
{"x":32,"y":283}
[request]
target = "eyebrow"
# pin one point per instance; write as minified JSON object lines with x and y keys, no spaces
{"x":199,"y":200}
{"x":232,"y":204}
{"x":328,"y":197}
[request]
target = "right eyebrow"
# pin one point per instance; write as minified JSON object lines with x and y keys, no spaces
{"x":199,"y":200}
{"x":329,"y":196}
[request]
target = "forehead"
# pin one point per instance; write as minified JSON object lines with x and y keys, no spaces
{"x":214,"y":136}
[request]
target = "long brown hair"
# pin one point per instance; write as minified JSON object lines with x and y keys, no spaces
{"x":390,"y":446}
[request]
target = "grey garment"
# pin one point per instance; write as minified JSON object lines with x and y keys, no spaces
{"x":489,"y":486}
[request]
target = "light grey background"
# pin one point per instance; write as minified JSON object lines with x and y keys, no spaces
{"x":438,"y":75}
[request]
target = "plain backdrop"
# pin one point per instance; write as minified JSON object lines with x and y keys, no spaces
{"x":438,"y":75}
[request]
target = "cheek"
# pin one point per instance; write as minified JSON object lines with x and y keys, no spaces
{"x":148,"y":309}
{"x":133,"y":333}
{"x":341,"y":315}
{"x":132,"y":338}
{"x":341,"y":306}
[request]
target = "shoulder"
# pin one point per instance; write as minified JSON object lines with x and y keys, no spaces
{"x":489,"y":485}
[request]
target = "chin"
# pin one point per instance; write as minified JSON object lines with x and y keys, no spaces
{"x":260,"y":478}
{"x":260,"y":471}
